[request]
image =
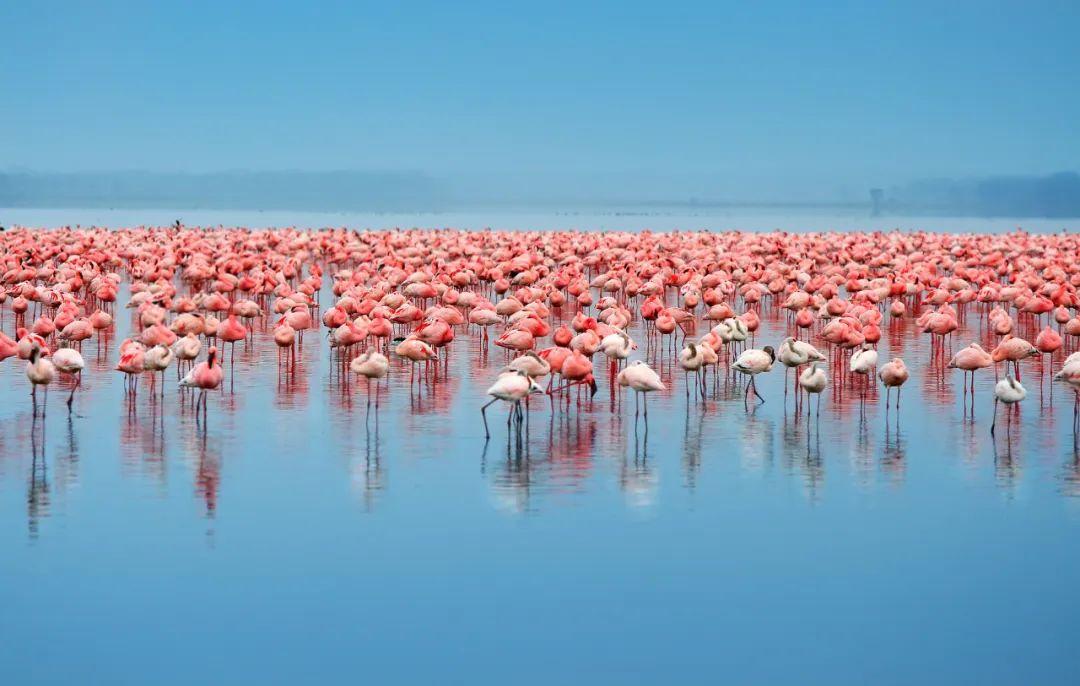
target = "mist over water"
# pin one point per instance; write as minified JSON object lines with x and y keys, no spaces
{"x":526,"y":219}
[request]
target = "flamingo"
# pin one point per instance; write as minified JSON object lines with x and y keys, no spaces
{"x":813,"y":380}
{"x":205,"y":376}
{"x":793,"y":354}
{"x":1008,"y":391}
{"x":70,"y":361}
{"x":691,"y":361}
{"x":753,"y":362}
{"x":1013,"y":349}
{"x":864,"y":362}
{"x":513,"y":387}
{"x":415,"y":351}
{"x":371,"y":365}
{"x":158,"y":359}
{"x":39,"y":372}
{"x":893,"y":374}
{"x":643,"y":380}
{"x":132,"y":358}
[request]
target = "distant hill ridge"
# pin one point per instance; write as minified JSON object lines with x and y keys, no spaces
{"x":331,"y":190}
{"x":1054,"y":195}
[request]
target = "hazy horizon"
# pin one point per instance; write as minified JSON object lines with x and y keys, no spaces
{"x":1049,"y":196}
{"x":719,"y":101}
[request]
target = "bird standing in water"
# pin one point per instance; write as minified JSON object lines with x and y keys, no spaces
{"x":753,"y":362}
{"x":864,"y":362}
{"x":813,"y":380}
{"x":371,"y":365}
{"x":40,"y":372}
{"x":206,"y":376}
{"x":969,"y":360}
{"x":1010,"y":392}
{"x":513,"y":387}
{"x":794,"y":353}
{"x":1070,"y":375}
{"x":643,"y":380}
{"x":158,"y":359}
{"x":893,"y":374}
{"x":691,"y":361}
{"x":70,"y":361}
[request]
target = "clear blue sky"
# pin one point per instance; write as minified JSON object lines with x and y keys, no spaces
{"x":766,"y":92}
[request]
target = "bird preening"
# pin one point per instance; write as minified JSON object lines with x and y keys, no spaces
{"x":513,"y":386}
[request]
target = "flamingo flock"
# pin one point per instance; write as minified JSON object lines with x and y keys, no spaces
{"x":555,"y":300}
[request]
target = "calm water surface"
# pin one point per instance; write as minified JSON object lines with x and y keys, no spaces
{"x":298,"y":540}
{"x":578,"y":219}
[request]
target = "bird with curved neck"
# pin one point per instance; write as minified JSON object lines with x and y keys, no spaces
{"x":513,"y":387}
{"x":1010,"y":392}
{"x":813,"y":380}
{"x":642,"y":379}
{"x":39,"y":372}
{"x":751,"y":363}
{"x":205,"y":376}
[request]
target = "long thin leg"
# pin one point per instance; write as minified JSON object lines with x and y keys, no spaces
{"x":483,"y":413}
{"x":753,"y":383}
{"x":1076,"y":410}
{"x":78,"y":382}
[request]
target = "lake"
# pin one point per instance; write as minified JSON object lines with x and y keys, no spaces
{"x":299,"y":538}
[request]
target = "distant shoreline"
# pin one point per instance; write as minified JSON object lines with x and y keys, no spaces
{"x":794,"y":219}
{"x":1052,"y":196}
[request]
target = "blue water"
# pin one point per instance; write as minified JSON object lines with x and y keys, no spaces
{"x":299,"y":540}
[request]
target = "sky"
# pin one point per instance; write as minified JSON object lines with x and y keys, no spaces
{"x":771,"y":97}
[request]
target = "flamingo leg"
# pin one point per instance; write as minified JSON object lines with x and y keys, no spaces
{"x":78,"y":382}
{"x":753,"y":384}
{"x":483,"y":414}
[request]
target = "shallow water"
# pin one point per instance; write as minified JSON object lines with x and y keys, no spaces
{"x":297,"y":538}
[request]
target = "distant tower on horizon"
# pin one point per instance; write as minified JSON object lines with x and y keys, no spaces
{"x":877,"y":199}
